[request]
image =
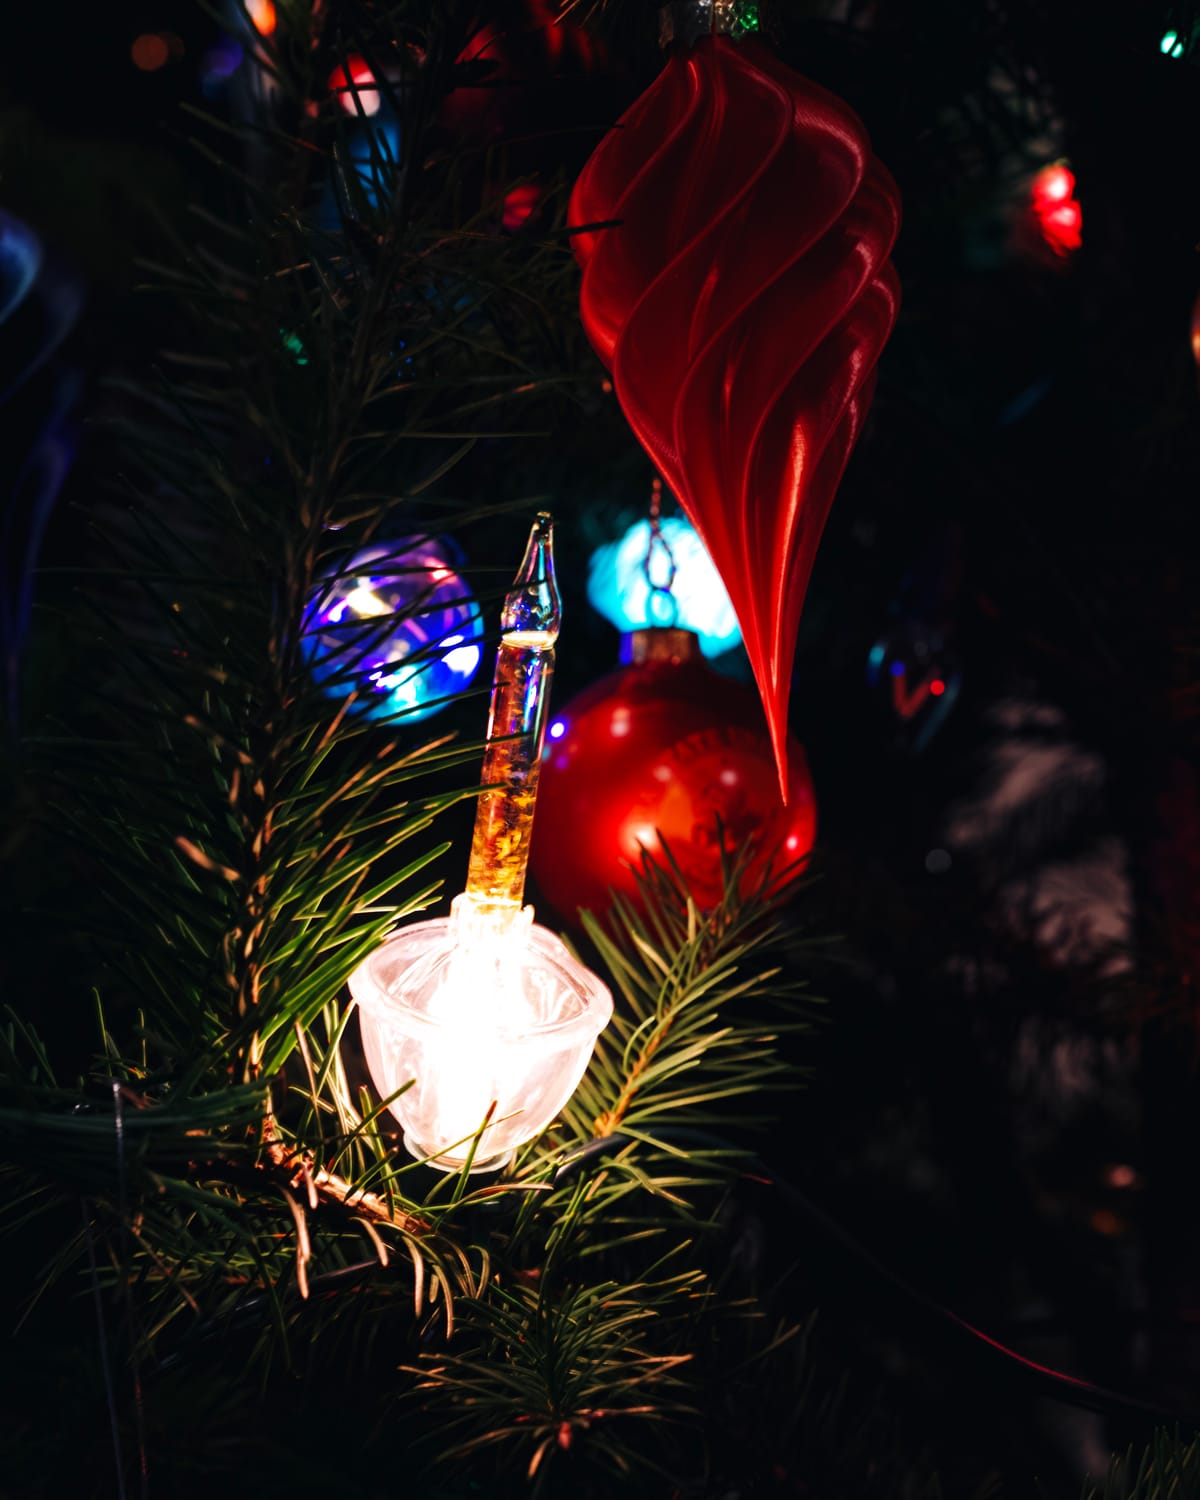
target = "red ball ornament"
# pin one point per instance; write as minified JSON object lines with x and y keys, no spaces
{"x":740,"y":292}
{"x":663,"y":746}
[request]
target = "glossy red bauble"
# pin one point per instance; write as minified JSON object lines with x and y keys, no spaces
{"x":663,"y":746}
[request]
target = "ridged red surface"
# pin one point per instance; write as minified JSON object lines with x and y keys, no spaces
{"x":741,"y":303}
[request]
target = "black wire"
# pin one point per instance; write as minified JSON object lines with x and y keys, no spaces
{"x":139,"y":1415}
{"x":1047,"y":1381}
{"x":105,"y":1364}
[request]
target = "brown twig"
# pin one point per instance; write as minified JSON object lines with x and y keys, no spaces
{"x":330,"y":1187}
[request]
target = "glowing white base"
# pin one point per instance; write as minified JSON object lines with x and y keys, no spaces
{"x":480,"y":1163}
{"x":477,"y":1020}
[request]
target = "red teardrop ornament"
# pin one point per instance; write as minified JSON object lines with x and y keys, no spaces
{"x":663,"y":746}
{"x":741,"y":301}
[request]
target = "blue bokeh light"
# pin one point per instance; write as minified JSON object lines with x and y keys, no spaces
{"x":20,"y":262}
{"x":618,"y":589}
{"x":369,"y":154}
{"x":397,"y":623}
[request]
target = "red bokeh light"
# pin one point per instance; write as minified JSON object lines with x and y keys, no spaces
{"x":937,"y":687}
{"x":1058,"y":214}
{"x":356,"y":86}
{"x":1053,"y":184}
{"x":150,"y":52}
{"x":519,"y":204}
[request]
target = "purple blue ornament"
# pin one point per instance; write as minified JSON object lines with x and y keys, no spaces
{"x":397,"y":625}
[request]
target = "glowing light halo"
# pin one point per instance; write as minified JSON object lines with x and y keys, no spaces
{"x":618,"y":589}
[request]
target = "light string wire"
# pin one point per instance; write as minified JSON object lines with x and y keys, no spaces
{"x":1071,"y":1390}
{"x":997,"y":1358}
{"x":105,"y":1362}
{"x":139,"y":1415}
{"x":110,"y":1390}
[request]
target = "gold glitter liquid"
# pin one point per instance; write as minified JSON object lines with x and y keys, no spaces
{"x":511,"y":762}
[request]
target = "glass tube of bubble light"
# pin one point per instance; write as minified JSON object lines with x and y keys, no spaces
{"x":529,"y":626}
{"x":481,"y":1024}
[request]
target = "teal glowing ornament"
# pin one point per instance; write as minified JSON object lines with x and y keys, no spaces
{"x":625,"y":586}
{"x":396,"y":624}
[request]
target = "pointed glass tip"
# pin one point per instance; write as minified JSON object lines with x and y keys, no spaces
{"x":532,"y":610}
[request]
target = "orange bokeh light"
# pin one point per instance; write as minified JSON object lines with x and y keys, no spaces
{"x":1196,"y":330}
{"x":262,"y":15}
{"x":150,"y":52}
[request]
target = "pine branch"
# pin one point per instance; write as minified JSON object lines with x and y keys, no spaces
{"x":541,"y":1371}
{"x":255,"y":840}
{"x":1168,"y":1467}
{"x":692,"y":1034}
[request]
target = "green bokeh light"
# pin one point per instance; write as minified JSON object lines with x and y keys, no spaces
{"x":293,"y":345}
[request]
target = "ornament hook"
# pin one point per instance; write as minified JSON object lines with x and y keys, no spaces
{"x":661,"y":593}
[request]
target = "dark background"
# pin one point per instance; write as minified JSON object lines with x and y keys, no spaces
{"x":1005,"y":1101}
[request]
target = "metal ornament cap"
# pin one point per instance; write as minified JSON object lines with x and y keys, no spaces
{"x":660,"y":643}
{"x":686,"y":21}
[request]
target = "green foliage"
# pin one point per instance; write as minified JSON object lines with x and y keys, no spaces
{"x":673,"y":1047}
{"x":248,"y":841}
{"x":1168,"y":1469}
{"x":612,"y":1268}
{"x":538,"y":1373}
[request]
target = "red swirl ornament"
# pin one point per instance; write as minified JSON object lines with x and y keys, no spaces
{"x":741,"y":300}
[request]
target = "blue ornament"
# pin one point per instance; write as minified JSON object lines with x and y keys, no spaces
{"x":366,"y":161}
{"x":397,"y":624}
{"x":39,"y":306}
{"x":619,"y":589}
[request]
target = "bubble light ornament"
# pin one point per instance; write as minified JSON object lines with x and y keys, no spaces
{"x":484,"y":1020}
{"x":740,"y":293}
